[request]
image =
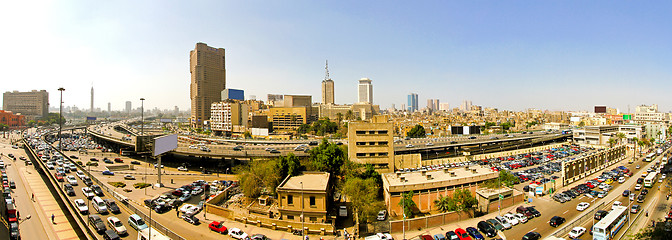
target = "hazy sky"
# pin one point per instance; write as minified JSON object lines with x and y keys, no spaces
{"x":558,"y":55}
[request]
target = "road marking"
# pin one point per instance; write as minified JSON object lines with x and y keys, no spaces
{"x":533,"y":229}
{"x":565,"y":212}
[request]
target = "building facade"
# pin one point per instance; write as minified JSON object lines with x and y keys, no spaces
{"x":12,"y":120}
{"x":412,"y":102}
{"x":128,"y":106}
{"x":365,"y":91}
{"x":372,"y":143}
{"x":208,"y":79}
{"x":327,"y":91}
{"x":32,"y":105}
{"x":306,"y":194}
{"x":289,"y":119}
{"x":233,"y":94}
{"x":228,"y":116}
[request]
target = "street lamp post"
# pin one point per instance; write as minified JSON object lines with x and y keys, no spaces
{"x":142,"y":116}
{"x":303,"y":234}
{"x":60,"y":122}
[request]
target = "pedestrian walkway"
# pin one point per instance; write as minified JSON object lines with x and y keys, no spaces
{"x":46,"y":205}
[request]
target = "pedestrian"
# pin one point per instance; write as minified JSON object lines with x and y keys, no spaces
{"x":52,"y":218}
{"x":178,"y":213}
{"x":32,"y":197}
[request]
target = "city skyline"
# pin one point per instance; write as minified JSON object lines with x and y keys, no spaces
{"x":507,"y":56}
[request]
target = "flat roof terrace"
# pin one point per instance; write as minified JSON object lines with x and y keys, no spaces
{"x":436,"y":179}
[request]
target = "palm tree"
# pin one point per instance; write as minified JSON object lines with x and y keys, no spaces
{"x":349,"y":115}
{"x":611,"y":142}
{"x":339,"y":117}
{"x":443,"y":203}
{"x":635,"y":141}
{"x":620,"y":137}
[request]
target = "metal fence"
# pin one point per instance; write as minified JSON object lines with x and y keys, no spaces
{"x":578,"y":221}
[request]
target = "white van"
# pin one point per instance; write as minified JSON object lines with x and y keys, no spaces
{"x":99,"y":205}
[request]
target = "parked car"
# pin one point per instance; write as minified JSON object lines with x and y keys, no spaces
{"x":108,"y":172}
{"x":129,"y":177}
{"x":237,"y":233}
{"x":450,"y":235}
{"x":475,"y":234}
{"x":382,"y":215}
{"x":462,"y":234}
{"x":218,"y":227}
{"x":487,"y":229}
{"x":496,"y":224}
{"x":190,"y":218}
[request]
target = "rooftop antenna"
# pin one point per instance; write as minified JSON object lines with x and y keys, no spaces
{"x":326,"y":68}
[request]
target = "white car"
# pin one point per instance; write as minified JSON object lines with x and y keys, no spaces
{"x":582,"y":206}
{"x":196,"y":191}
{"x":638,"y":186}
{"x":189,"y":209}
{"x":72,"y":180}
{"x":663,"y":176}
{"x":409,"y":146}
{"x":577,"y":232}
{"x":621,"y":180}
{"x":88,"y":192}
{"x":80,"y":174}
{"x":81,"y":206}
{"x":193,"y":147}
{"x":50,"y":166}
{"x":512,"y":219}
{"x":429,"y":144}
{"x":237,"y":233}
{"x":632,"y":197}
{"x":616,"y":204}
{"x":505,"y":223}
{"x":521,"y":218}
{"x":182,"y":169}
{"x":114,"y":223}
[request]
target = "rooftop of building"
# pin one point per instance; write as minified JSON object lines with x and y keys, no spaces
{"x":316,"y":181}
{"x":439,"y":177}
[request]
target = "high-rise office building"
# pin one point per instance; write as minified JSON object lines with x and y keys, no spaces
{"x":327,"y":87}
{"x":109,"y":107}
{"x":91,"y":98}
{"x":433,"y":104}
{"x":412,"y":102}
{"x":466,"y":106}
{"x":444,"y":106}
{"x":365,"y":91}
{"x":208,"y":79}
{"x":33,"y":104}
{"x":128,"y":106}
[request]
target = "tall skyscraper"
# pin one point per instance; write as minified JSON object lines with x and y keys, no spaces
{"x":433,"y":104}
{"x":327,"y":87}
{"x":91,"y":98}
{"x":466,"y":106}
{"x":412,"y":102}
{"x":109,"y":107}
{"x":365,"y":90}
{"x":208,"y":79}
{"x":33,"y":104}
{"x":128,"y":106}
{"x":444,"y":107}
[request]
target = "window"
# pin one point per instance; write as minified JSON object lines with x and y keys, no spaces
{"x":361,"y":132}
{"x":382,"y":132}
{"x":361,"y":154}
{"x":290,"y":200}
{"x":313,"y":219}
{"x":290,"y":217}
{"x":312,"y":201}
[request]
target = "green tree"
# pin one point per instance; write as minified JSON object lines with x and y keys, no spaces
{"x":582,"y":124}
{"x":418,"y":131}
{"x":407,"y":204}
{"x":258,"y":177}
{"x":349,"y":115}
{"x":247,"y":135}
{"x":444,"y":203}
{"x":620,"y":136}
{"x":506,"y":126}
{"x":327,"y":157}
{"x":463,"y":200}
{"x":339,"y":117}
{"x":304,"y":128}
{"x":363,"y":193}
{"x":288,"y":165}
{"x":611,"y":142}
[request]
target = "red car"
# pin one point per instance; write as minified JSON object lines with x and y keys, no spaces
{"x":426,"y":237}
{"x":218,"y":227}
{"x":59,"y":177}
{"x":462,"y":235}
{"x":118,"y":160}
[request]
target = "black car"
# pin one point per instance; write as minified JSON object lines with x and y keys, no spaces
{"x":12,"y":185}
{"x":556,"y":221}
{"x":87,"y":181}
{"x":626,"y":193}
{"x":111,"y":235}
{"x":532,"y":236}
{"x":487,"y":229}
{"x":14,"y":231}
{"x":600,"y":214}
{"x":97,"y":223}
{"x":74,"y":157}
{"x":161,"y":208}
{"x":640,"y":198}
{"x":534,"y":211}
{"x":112,"y":206}
{"x":238,"y":148}
{"x":135,"y":162}
{"x":645,"y":191}
{"x":97,"y":190}
{"x":640,"y":180}
{"x":69,"y":190}
{"x":190,"y":218}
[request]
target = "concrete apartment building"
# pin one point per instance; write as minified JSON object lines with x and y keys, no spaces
{"x":365,"y":91}
{"x":33,"y":105}
{"x":372,"y":143}
{"x":428,"y":186}
{"x":228,"y":116}
{"x":291,"y":112}
{"x":599,"y":135}
{"x":208,"y":80}
{"x":307,"y":193}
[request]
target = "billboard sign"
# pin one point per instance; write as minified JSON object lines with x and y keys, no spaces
{"x":627,"y":117}
{"x":164,"y":144}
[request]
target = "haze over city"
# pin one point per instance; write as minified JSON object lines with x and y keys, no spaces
{"x":568,"y":55}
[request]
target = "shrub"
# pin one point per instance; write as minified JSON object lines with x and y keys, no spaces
{"x":141,"y":185}
{"x":117,"y":184}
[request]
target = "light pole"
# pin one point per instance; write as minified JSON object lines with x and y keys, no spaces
{"x":303,"y":234}
{"x":60,"y":122}
{"x":142,"y":116}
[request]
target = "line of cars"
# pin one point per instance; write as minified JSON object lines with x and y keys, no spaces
{"x":489,"y":227}
{"x":8,"y":205}
{"x":602,"y":182}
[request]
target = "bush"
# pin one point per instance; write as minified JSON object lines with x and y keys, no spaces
{"x":95,"y":164}
{"x":79,"y":163}
{"x":117,"y":184}
{"x":141,"y":185}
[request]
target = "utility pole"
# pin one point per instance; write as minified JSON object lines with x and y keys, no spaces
{"x":303,"y":234}
{"x":60,"y":120}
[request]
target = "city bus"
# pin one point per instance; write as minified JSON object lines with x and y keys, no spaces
{"x":650,"y":179}
{"x":608,"y":227}
{"x":649,"y":157}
